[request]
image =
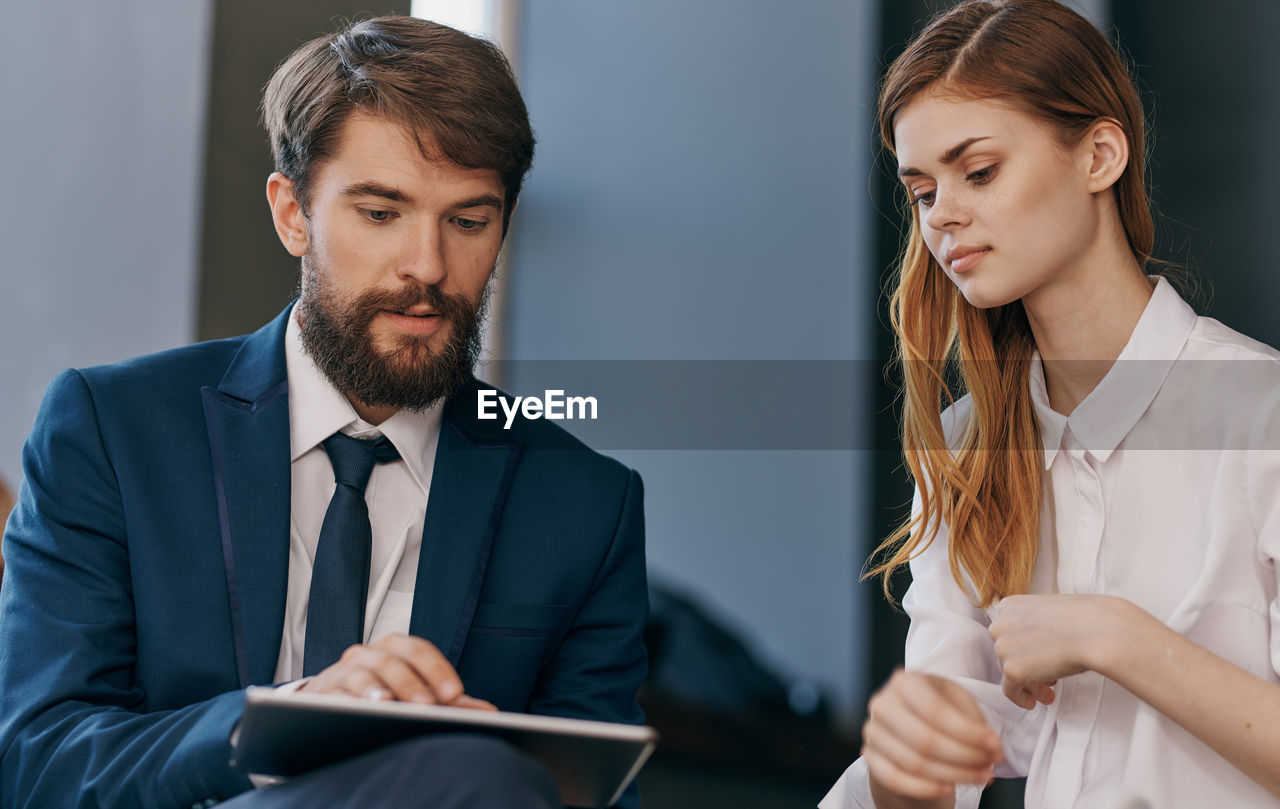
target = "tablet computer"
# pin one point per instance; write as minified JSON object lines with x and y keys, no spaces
{"x":292,"y":733}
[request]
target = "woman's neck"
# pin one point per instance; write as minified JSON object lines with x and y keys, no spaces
{"x":1082,"y":322}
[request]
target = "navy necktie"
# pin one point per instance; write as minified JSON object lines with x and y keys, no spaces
{"x":340,"y":575}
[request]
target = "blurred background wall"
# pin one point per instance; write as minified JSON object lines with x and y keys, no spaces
{"x":705,"y":190}
{"x":100,"y":178}
{"x":700,"y":195}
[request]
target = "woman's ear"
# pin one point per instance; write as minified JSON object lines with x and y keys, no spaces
{"x":287,"y":214}
{"x":1107,"y":149}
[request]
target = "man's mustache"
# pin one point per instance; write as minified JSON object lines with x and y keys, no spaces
{"x":415,"y":294}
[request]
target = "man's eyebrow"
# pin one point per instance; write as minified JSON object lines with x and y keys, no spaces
{"x":481,"y":201}
{"x":371,"y":189}
{"x":946,"y":158}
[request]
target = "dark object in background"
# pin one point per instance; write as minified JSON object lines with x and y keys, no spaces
{"x":734,"y":731}
{"x":696,"y":661}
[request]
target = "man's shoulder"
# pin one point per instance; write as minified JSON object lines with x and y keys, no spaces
{"x":197,"y":359}
{"x":177,"y":370}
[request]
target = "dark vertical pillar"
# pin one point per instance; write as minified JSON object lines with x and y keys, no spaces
{"x":246,"y":277}
{"x":1210,"y":74}
{"x":891,"y":502}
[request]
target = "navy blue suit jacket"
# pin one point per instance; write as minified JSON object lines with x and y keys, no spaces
{"x":147,"y":560}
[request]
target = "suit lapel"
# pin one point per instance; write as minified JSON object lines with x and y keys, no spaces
{"x":468,"y":489}
{"x":247,"y":416}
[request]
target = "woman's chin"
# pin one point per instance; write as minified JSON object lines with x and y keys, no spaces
{"x":986,"y":295}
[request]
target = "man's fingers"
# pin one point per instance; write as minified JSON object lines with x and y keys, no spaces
{"x":399,"y":667}
{"x":432,"y":667}
{"x":475,"y":703}
{"x":351,"y":680}
{"x":397,"y":674}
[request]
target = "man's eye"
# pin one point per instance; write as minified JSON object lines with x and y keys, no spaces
{"x":376,"y":215}
{"x":469,"y":224}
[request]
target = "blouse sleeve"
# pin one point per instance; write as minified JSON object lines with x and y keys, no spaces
{"x":1263,"y":487}
{"x":948,"y":637}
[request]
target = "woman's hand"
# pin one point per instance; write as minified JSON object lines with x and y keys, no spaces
{"x":925,"y":734}
{"x":1040,"y":639}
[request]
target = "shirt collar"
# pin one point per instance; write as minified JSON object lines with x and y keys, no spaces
{"x":317,"y":410}
{"x":1112,"y":409}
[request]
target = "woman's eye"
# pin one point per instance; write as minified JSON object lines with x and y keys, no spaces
{"x":925,"y":198}
{"x":981,"y":175}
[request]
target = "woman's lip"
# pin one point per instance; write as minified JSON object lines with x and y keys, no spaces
{"x":969,"y":260}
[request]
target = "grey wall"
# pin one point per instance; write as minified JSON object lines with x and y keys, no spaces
{"x":99,"y":162}
{"x":700,"y":192}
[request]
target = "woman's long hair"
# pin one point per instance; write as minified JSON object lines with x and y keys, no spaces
{"x":1053,"y":64}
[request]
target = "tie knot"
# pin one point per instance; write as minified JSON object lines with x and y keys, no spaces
{"x":353,"y":459}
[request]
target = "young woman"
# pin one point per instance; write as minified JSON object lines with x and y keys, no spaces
{"x":1097,"y":521}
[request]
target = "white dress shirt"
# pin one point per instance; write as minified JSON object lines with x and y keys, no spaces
{"x":1162,"y":487}
{"x":397,"y":497}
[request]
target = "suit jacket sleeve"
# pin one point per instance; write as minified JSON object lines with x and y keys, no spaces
{"x":75,"y":728}
{"x":602,"y":661}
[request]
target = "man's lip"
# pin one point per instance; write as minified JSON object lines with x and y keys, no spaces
{"x":418,"y":310}
{"x":417,"y":324}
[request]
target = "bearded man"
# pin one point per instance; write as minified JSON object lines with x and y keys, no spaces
{"x":316,"y":504}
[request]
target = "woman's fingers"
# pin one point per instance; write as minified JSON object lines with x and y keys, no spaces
{"x":922,"y":752}
{"x":1026,"y":696}
{"x":949,"y":710}
{"x":892,"y":778}
{"x":925,"y":734}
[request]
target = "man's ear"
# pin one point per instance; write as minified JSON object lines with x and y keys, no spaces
{"x":1107,"y":148}
{"x":286,"y":213}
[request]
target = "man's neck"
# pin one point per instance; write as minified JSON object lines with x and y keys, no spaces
{"x":373,"y":415}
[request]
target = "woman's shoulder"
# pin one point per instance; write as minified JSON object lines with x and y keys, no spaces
{"x":1211,"y":339}
{"x":1223,"y":392}
{"x":955,"y":419}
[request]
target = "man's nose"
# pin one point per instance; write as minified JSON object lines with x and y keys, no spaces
{"x":424,"y":261}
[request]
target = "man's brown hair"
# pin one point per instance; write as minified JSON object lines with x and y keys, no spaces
{"x":436,"y":81}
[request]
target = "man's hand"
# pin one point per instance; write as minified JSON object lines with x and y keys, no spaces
{"x":1043,"y":638}
{"x":925,"y":734}
{"x":396,"y":667}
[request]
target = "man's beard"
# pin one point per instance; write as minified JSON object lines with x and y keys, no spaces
{"x":337,"y":335}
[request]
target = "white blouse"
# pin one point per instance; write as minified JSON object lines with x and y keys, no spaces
{"x":1162,"y":487}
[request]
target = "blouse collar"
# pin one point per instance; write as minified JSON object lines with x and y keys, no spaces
{"x":1112,"y":409}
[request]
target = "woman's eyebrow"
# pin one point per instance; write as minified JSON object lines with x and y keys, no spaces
{"x":946,"y":158}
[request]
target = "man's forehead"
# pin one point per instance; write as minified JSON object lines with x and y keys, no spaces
{"x":376,"y":150}
{"x":364,"y":131}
